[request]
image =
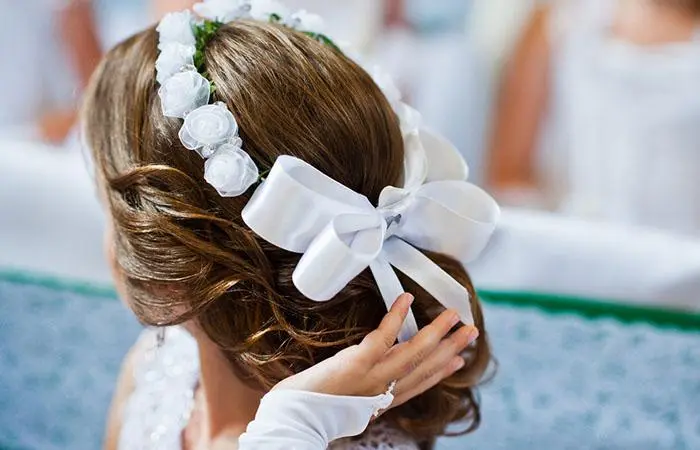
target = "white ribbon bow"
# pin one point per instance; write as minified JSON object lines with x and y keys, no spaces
{"x":340,"y":232}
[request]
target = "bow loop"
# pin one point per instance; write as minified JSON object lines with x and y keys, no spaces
{"x":341,"y":251}
{"x":455,"y":218}
{"x":429,"y":157}
{"x":440,"y":211}
{"x":444,"y":160}
{"x":296,"y":201}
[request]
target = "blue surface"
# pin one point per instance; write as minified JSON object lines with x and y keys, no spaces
{"x":59,"y":359}
{"x":564,"y":381}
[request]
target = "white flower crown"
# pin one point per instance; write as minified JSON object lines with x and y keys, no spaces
{"x":339,"y":231}
{"x":212,"y":130}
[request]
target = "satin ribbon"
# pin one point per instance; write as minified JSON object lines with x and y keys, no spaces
{"x":340,"y":233}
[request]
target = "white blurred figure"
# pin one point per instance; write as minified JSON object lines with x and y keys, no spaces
{"x":599,"y":110}
{"x":425,"y":48}
{"x":493,"y":27}
{"x":49,"y":48}
{"x":50,"y":220}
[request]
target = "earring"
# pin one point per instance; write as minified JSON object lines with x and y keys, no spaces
{"x":160,"y":337}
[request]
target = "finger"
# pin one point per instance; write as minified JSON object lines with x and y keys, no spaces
{"x":406,"y":357}
{"x":442,"y":363}
{"x":379,"y":341}
{"x":447,"y":370}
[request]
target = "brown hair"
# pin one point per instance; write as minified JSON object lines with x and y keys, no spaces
{"x":184,"y":252}
{"x":692,"y":6}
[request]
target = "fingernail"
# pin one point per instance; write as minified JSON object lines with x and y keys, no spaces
{"x":454,"y":320}
{"x":409,"y":298}
{"x":458,"y":364}
{"x":473,"y":334}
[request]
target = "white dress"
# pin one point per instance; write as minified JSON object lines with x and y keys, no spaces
{"x":623,"y":140}
{"x":163,"y":397}
{"x":36,"y":75}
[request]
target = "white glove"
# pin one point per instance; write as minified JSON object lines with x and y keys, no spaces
{"x":300,"y":420}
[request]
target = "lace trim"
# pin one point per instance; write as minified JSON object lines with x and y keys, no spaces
{"x":379,"y":436}
{"x":161,"y":404}
{"x":163,"y":397}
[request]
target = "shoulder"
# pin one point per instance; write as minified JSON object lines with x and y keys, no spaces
{"x":531,"y":52}
{"x":126,"y":384}
{"x":379,"y":436}
{"x":551,"y":26}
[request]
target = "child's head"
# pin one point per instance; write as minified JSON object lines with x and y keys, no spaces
{"x":182,"y":251}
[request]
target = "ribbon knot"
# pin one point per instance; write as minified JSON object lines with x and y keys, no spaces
{"x":392,"y":223}
{"x":393,"y":214}
{"x":340,"y":233}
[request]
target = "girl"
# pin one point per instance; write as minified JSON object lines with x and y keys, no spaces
{"x":598,"y":112}
{"x":211,"y":251}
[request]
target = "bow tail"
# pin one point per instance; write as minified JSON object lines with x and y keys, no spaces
{"x":390,"y":288}
{"x":438,"y":283}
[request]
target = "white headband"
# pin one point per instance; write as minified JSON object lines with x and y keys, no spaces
{"x":299,"y":209}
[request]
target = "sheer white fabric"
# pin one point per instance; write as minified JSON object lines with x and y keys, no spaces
{"x":623,"y":142}
{"x":36,"y":76}
{"x":163,"y":397}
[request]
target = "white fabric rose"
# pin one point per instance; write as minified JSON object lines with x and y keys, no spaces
{"x":173,"y":57}
{"x":183,"y":93}
{"x":221,"y":10}
{"x":387,"y":85}
{"x":261,"y":10}
{"x":176,"y":27}
{"x":207,"y":127}
{"x":409,"y":118}
{"x":231,"y":170}
{"x":349,"y":50}
{"x":306,"y":21}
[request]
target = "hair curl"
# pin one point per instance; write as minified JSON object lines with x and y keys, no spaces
{"x":183,"y":251}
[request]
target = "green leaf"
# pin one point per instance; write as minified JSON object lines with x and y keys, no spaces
{"x":203,"y":33}
{"x":323,"y":39}
{"x":329,"y":42}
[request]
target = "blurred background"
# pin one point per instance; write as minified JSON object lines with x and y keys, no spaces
{"x":581,"y":116}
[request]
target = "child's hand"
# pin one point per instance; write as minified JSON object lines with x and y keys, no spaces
{"x":367,"y":369}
